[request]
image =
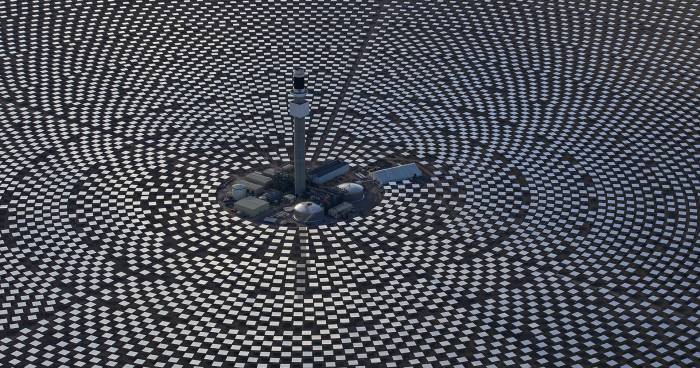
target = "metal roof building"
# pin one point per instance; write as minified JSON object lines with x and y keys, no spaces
{"x":258,"y":178}
{"x":328,"y":171}
{"x":396,"y":173}
{"x":340,"y":210}
{"x":254,"y":188}
{"x":251,"y":206}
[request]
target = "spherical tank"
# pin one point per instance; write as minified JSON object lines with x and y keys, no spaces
{"x":308,"y":212}
{"x":353,"y":192}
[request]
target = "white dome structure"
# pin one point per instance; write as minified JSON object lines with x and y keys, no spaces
{"x":308,"y":212}
{"x":353,"y":192}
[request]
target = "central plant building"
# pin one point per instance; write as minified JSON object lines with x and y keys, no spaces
{"x":251,"y":206}
{"x":396,"y":173}
{"x":328,"y":171}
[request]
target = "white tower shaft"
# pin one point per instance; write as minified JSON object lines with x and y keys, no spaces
{"x":299,"y":109}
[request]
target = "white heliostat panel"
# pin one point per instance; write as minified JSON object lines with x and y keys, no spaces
{"x":396,"y":173}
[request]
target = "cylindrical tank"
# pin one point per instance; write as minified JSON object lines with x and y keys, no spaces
{"x":239,"y":191}
{"x":352,"y":192}
{"x":308,"y":212}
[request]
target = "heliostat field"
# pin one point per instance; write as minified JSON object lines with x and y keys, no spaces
{"x":556,"y":224}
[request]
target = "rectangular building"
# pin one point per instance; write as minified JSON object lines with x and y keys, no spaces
{"x":256,"y":189}
{"x":328,"y":171}
{"x":340,"y":210}
{"x":396,"y":173}
{"x":251,"y":207}
{"x":259,"y":179}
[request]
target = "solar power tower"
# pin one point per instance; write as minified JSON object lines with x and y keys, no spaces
{"x":299,"y":109}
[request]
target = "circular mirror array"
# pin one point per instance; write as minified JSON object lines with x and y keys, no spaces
{"x":559,"y":227}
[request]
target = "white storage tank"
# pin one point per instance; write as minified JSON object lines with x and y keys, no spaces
{"x":308,"y":212}
{"x":352,"y":192}
{"x":239,"y":191}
